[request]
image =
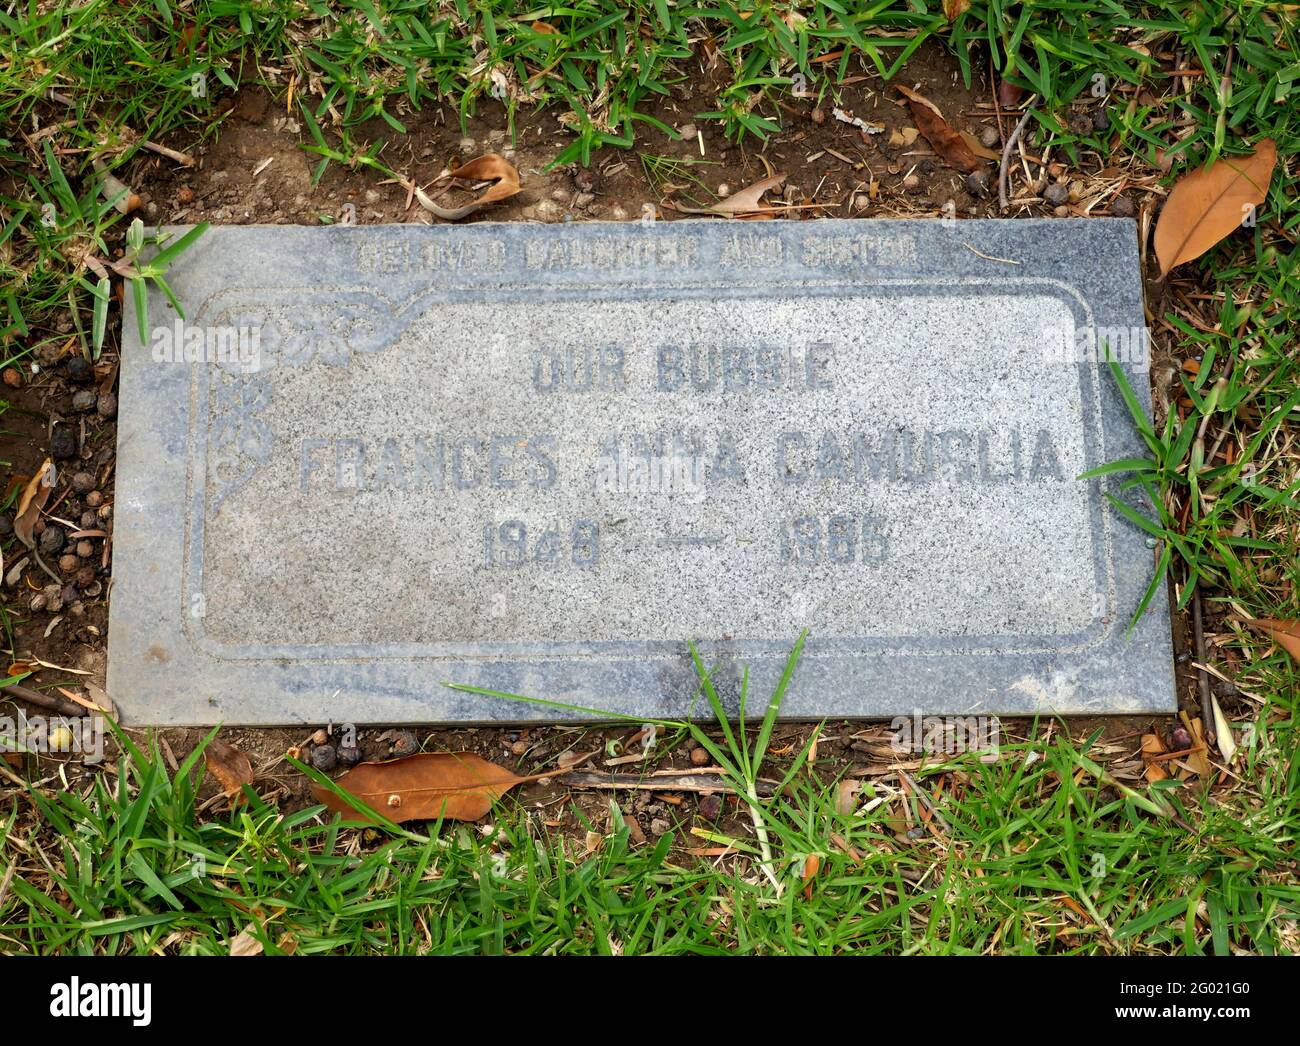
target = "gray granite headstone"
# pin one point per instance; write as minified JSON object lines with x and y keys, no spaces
{"x":538,"y":459}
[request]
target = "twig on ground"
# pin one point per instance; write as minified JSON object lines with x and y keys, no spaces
{"x":1006,"y":159}
{"x":184,"y":159}
{"x":50,"y":701}
{"x":41,"y":563}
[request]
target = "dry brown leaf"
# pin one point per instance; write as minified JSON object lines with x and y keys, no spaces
{"x":946,"y":142}
{"x":845,"y":848}
{"x":16,"y":484}
{"x":1153,"y":746}
{"x":1285,"y":634}
{"x":1209,"y":203}
{"x":746,"y":201}
{"x":634,"y":830}
{"x":978,"y":147}
{"x":846,"y":796}
{"x":487,"y":168}
{"x":230,"y":767}
{"x":100,"y":700}
{"x":1009,"y":95}
{"x":459,"y":786}
{"x":1197,"y":758}
{"x":954,"y":9}
{"x":84,"y":702}
{"x":1223,"y":731}
{"x":811,"y":864}
{"x":905,"y":137}
{"x":32,"y":500}
{"x":749,"y":198}
{"x":244,"y":943}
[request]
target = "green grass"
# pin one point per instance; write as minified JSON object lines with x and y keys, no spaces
{"x":126,"y":73}
{"x":1036,"y":844}
{"x":1032,"y":854}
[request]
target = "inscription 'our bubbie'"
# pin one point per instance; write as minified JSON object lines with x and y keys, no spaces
{"x":674,"y":456}
{"x":685,"y":368}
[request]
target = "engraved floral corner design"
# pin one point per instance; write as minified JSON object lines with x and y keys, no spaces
{"x":289,"y":328}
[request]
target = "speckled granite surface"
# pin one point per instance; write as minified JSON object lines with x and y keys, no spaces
{"x":538,"y":459}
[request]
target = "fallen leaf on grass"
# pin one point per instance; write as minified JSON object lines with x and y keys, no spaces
{"x":1198,"y":759}
{"x":230,"y":767}
{"x":1223,"y":731}
{"x":954,"y":9}
{"x":32,"y":500}
{"x":711,"y":851}
{"x":846,"y":796}
{"x":634,"y":830}
{"x":459,"y":786}
{"x":845,"y":848}
{"x":1285,"y":634}
{"x":487,"y":168}
{"x":811,"y":864}
{"x":1153,"y":746}
{"x":747,"y":201}
{"x":244,"y":943}
{"x":947,"y":143}
{"x":1210,"y":202}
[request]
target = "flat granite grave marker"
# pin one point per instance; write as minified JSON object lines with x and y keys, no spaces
{"x":539,"y":459}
